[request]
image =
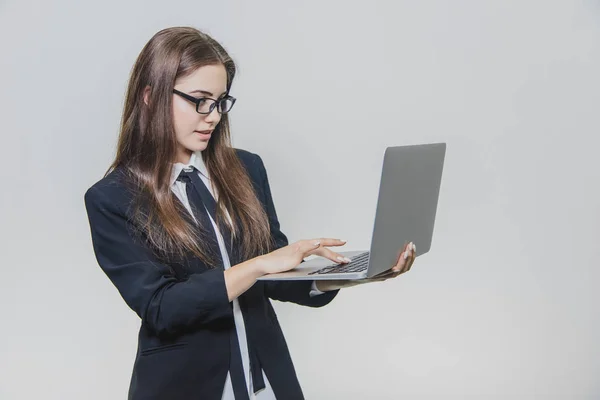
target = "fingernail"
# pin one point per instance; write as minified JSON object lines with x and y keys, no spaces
{"x":347,"y":259}
{"x":342,"y":240}
{"x":340,"y":258}
{"x":405,"y":255}
{"x":317,"y":243}
{"x":414,"y":247}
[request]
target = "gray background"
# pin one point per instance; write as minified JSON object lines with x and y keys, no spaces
{"x":505,"y":304}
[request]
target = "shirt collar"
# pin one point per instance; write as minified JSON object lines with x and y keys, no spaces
{"x":195,"y":161}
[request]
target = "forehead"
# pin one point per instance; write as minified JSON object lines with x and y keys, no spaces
{"x":212,"y":78}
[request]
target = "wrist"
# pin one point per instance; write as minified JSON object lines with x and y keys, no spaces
{"x":258,"y":266}
{"x":326,"y":286}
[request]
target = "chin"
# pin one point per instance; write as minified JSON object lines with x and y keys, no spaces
{"x":199,"y":146}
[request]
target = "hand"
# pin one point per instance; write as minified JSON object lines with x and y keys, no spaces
{"x":289,"y":257}
{"x":403,"y":264}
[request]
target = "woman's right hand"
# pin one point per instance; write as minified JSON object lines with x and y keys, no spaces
{"x":290,"y":256}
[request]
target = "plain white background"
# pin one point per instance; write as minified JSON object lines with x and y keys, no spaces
{"x":506,"y":303}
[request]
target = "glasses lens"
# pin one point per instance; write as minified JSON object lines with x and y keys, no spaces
{"x":226,"y":104}
{"x":204,"y":106}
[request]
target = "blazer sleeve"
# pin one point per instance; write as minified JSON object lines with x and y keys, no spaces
{"x":290,"y":291}
{"x":165,"y":304}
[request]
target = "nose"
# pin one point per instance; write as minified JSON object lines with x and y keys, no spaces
{"x":214,"y":116}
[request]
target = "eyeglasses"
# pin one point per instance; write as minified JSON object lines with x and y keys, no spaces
{"x":206,"y":105}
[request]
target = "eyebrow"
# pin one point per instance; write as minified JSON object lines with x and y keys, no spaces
{"x":205,"y":92}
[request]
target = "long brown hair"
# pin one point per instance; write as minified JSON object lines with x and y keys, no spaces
{"x":147,"y":149}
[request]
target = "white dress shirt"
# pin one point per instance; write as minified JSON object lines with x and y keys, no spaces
{"x":179,"y":189}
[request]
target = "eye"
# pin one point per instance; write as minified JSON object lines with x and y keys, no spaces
{"x":204,"y":105}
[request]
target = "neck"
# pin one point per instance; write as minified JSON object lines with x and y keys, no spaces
{"x":183,"y":156}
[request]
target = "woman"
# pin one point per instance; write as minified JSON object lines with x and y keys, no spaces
{"x":183,"y":225}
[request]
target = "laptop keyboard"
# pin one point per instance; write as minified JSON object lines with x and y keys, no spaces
{"x":358,"y":264}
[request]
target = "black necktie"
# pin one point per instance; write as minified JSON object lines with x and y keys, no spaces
{"x":201,"y":200}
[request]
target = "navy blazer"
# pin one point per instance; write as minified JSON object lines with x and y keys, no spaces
{"x":186,"y":318}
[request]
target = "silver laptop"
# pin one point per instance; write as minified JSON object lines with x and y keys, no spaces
{"x":406,"y":208}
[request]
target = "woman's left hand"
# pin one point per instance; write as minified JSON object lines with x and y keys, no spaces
{"x":404,"y":264}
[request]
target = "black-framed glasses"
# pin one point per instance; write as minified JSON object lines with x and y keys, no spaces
{"x":206,"y":105}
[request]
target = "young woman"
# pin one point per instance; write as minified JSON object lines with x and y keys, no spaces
{"x":183,"y":225}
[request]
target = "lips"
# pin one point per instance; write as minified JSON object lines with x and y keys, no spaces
{"x":203,"y":135}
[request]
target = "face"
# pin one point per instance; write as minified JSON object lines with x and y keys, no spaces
{"x":194,"y":130}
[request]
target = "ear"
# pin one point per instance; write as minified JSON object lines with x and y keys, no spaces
{"x":147,"y":90}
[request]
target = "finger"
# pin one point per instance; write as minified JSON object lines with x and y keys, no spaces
{"x":402,"y":261}
{"x":405,"y":260}
{"x":310,"y":245}
{"x":329,"y":242}
{"x":406,"y":247}
{"x":414,"y":256}
{"x":409,"y":258}
{"x":332,"y":255}
{"x":401,"y":254}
